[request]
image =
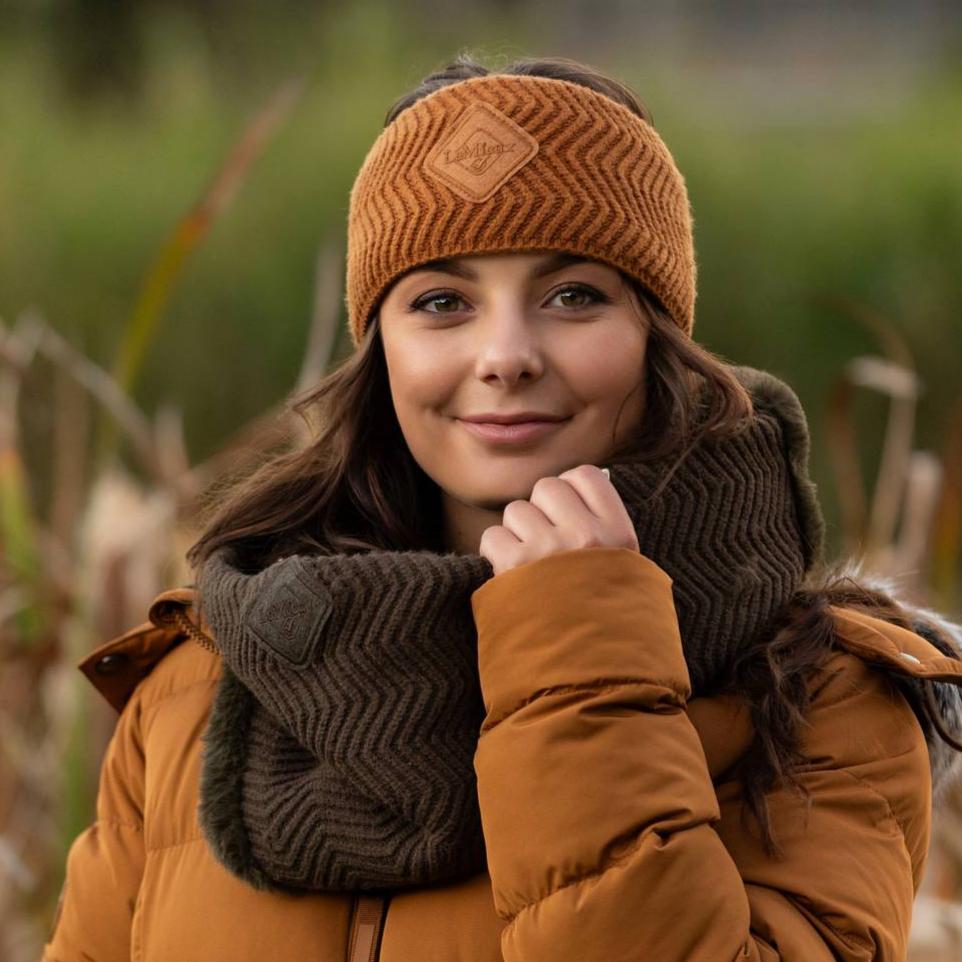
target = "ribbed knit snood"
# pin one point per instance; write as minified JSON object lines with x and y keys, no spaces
{"x":339,"y":754}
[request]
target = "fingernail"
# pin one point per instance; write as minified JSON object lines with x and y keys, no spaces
{"x":607,"y":473}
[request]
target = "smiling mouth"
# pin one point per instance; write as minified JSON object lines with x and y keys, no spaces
{"x":518,"y":433}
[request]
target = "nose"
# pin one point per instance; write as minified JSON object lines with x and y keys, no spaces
{"x":509,"y":348}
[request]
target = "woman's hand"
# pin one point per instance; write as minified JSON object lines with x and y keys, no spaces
{"x":579,"y":508}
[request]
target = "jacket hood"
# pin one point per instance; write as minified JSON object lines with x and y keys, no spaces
{"x":946,"y":636}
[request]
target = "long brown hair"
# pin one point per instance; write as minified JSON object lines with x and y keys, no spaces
{"x":355,"y":486}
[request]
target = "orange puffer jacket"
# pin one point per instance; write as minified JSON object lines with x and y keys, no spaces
{"x":612,"y":819}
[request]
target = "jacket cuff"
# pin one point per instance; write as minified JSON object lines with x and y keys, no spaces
{"x":585,"y":616}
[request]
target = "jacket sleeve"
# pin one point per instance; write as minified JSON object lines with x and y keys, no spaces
{"x":105,"y":862}
{"x":605,"y":836}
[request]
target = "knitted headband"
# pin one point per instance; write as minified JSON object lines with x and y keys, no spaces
{"x":519,"y":163}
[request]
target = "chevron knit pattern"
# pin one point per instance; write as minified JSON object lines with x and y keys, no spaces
{"x":359,"y":767}
{"x":339,"y":754}
{"x":517,"y":163}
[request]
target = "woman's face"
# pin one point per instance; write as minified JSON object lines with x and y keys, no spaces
{"x":544,"y":335}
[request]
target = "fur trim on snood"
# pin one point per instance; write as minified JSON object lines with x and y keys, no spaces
{"x":944,"y":634}
{"x":222,"y":781}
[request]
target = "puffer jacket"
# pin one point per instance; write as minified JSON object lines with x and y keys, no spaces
{"x":612,"y":818}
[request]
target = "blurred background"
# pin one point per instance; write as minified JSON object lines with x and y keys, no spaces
{"x":174,"y":182}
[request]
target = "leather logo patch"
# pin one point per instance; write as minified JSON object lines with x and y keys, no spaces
{"x":481,"y":153}
{"x":289,"y":614}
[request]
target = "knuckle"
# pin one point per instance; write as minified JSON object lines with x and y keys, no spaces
{"x":514,"y":507}
{"x":490,"y":535}
{"x":543,"y":484}
{"x":588,"y":537}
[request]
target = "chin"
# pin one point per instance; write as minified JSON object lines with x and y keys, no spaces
{"x":492,"y":490}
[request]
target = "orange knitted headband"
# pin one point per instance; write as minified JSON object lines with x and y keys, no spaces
{"x":519,"y":163}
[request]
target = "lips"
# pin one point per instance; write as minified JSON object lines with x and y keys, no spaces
{"x":519,"y":432}
{"x":517,"y":418}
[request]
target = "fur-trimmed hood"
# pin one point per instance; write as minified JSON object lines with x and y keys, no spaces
{"x":944,"y":634}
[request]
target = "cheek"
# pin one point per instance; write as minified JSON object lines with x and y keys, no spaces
{"x":421,"y":376}
{"x":604,"y":367}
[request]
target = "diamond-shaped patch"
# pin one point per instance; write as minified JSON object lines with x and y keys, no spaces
{"x":482,"y":151}
{"x":289,"y":613}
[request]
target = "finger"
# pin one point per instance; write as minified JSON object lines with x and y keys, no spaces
{"x":499,"y":546}
{"x":526,"y":520}
{"x":561,"y":502}
{"x":596,"y":491}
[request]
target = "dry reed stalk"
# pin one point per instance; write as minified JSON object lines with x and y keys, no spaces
{"x":187,"y":233}
{"x":947,"y":523}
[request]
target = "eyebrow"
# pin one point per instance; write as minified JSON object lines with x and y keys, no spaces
{"x":447,"y":265}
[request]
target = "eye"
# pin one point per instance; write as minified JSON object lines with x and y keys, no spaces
{"x":583,"y":296}
{"x":449,"y":302}
{"x":443,"y":297}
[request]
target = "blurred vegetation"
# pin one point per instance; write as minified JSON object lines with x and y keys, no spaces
{"x":789,"y":210}
{"x":173,"y":199}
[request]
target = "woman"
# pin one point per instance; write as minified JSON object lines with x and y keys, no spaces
{"x":531,"y":654}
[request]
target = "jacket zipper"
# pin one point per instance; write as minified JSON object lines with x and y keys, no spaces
{"x":367,"y":923}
